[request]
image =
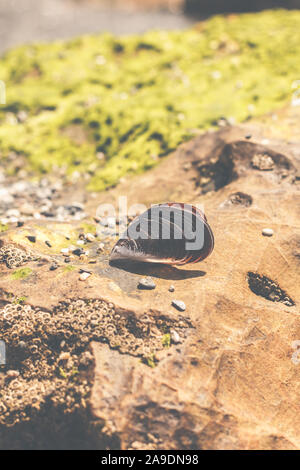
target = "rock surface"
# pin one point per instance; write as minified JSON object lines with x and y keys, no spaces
{"x":99,"y":356}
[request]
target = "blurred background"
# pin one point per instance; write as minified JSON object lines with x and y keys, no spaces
{"x":23,"y":21}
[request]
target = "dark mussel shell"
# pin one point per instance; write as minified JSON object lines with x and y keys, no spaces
{"x":170,"y":233}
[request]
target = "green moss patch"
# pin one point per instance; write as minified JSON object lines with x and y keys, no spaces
{"x":110,"y":107}
{"x":3,"y":227}
{"x":22,"y":273}
{"x":69,"y":268}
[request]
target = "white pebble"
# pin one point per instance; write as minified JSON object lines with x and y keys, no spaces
{"x":175,"y":337}
{"x":146,"y":283}
{"x":13,"y":213}
{"x":84,"y":276}
{"x":65,"y":251}
{"x":12,"y":374}
{"x":179,"y":305}
{"x":89,"y":237}
{"x":111,"y":222}
{"x":267,"y":232}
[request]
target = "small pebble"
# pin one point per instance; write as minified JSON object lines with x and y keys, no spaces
{"x":12,"y":374}
{"x":84,"y":276}
{"x":171,"y":289}
{"x":146,"y":283}
{"x":84,"y":270}
{"x":64,"y":251}
{"x":179,"y":305}
{"x":267,"y":232}
{"x":80,"y":242}
{"x":175,"y":338}
{"x":13,"y":213}
{"x":90,"y":237}
{"x":101,"y":247}
{"x":27,"y":209}
{"x":78,"y":251}
{"x":31,"y":238}
{"x":64,"y":356}
{"x":103,"y":222}
{"x":53,"y":267}
{"x":111,"y":222}
{"x":48,"y":243}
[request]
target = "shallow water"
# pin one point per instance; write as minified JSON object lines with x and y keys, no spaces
{"x":45,"y":20}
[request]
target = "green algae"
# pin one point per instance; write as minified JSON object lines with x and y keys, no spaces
{"x":22,"y":273}
{"x":20,"y":300}
{"x":69,"y":268}
{"x":166,"y":340}
{"x":108,"y":107}
{"x":88,"y":228}
{"x":150,"y":361}
{"x":3,"y":227}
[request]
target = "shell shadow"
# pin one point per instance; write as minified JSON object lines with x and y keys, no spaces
{"x":161,"y":271}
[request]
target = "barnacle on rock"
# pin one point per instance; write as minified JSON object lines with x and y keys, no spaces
{"x":37,"y":340}
{"x":14,"y":257}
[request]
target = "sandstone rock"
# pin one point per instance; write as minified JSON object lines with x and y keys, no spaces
{"x":231,"y":382}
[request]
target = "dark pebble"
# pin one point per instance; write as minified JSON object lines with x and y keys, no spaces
{"x":48,"y":243}
{"x":31,"y":238}
{"x":78,"y":251}
{"x":48,"y":214}
{"x":53,"y":267}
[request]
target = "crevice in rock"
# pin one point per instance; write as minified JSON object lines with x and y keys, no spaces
{"x":238,"y":199}
{"x":228,"y":162}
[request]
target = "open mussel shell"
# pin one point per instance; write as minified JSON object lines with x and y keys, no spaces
{"x":170,"y":233}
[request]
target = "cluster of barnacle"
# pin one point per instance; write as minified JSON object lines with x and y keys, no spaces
{"x":14,"y":257}
{"x":18,"y":395}
{"x":96,"y":319}
{"x":39,"y":367}
{"x":44,"y":345}
{"x":20,"y":398}
{"x":269,"y":289}
{"x":79,"y":321}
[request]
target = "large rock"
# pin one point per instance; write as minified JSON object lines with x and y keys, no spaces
{"x":100,"y":355}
